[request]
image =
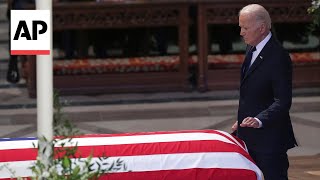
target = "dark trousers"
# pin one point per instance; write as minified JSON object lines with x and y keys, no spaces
{"x":273,"y":166}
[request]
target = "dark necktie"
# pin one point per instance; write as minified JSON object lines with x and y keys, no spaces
{"x":247,"y":61}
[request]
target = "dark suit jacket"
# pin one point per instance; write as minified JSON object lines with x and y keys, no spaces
{"x":266,"y":93}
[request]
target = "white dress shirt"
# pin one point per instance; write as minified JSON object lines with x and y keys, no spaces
{"x":259,"y":47}
{"x":255,"y":54}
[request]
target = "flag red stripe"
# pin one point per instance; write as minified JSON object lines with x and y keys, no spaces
{"x":30,"y":52}
{"x":133,"y":149}
{"x":190,"y":174}
{"x":230,"y":139}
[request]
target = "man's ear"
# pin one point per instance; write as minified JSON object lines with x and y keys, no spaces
{"x":263,"y":28}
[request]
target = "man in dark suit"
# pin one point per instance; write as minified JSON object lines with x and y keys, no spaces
{"x":265,"y":95}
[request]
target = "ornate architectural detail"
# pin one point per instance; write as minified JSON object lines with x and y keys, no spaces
{"x":280,"y":12}
{"x":111,"y":18}
{"x":222,"y":15}
{"x":287,"y":13}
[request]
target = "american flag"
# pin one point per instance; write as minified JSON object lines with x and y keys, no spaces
{"x":170,"y":155}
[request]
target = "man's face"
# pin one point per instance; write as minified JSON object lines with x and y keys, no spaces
{"x":251,"y":30}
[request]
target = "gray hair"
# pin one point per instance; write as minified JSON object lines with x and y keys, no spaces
{"x":259,"y":12}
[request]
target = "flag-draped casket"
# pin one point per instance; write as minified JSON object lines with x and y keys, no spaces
{"x":173,"y":155}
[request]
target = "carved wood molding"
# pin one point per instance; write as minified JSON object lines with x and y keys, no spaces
{"x":221,"y":14}
{"x":289,"y":13}
{"x":88,"y":18}
{"x":225,"y":13}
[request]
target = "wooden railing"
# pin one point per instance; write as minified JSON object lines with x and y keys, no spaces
{"x":167,"y":13}
{"x":109,"y":15}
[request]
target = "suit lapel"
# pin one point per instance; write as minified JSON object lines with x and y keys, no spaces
{"x":255,"y":64}
{"x":244,"y":62}
{"x":262,"y":55}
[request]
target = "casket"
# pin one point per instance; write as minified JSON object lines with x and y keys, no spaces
{"x":173,"y":155}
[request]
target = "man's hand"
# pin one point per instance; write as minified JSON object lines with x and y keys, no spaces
{"x":250,"y":122}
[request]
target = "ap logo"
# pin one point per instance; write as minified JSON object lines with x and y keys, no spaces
{"x":30,"y":32}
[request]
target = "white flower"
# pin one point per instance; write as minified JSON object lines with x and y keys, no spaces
{"x":315,"y":3}
{"x":45,"y":174}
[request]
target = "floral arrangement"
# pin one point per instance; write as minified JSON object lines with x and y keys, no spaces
{"x":66,"y":162}
{"x":314,"y":10}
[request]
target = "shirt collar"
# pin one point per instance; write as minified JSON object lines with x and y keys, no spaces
{"x":260,"y":46}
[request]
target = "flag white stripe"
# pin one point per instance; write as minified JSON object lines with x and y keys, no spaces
{"x":226,"y":160}
{"x":118,"y":140}
{"x":234,"y":139}
{"x":23,"y":144}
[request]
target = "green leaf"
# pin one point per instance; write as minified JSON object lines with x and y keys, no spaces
{"x":66,"y":162}
{"x":76,"y":171}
